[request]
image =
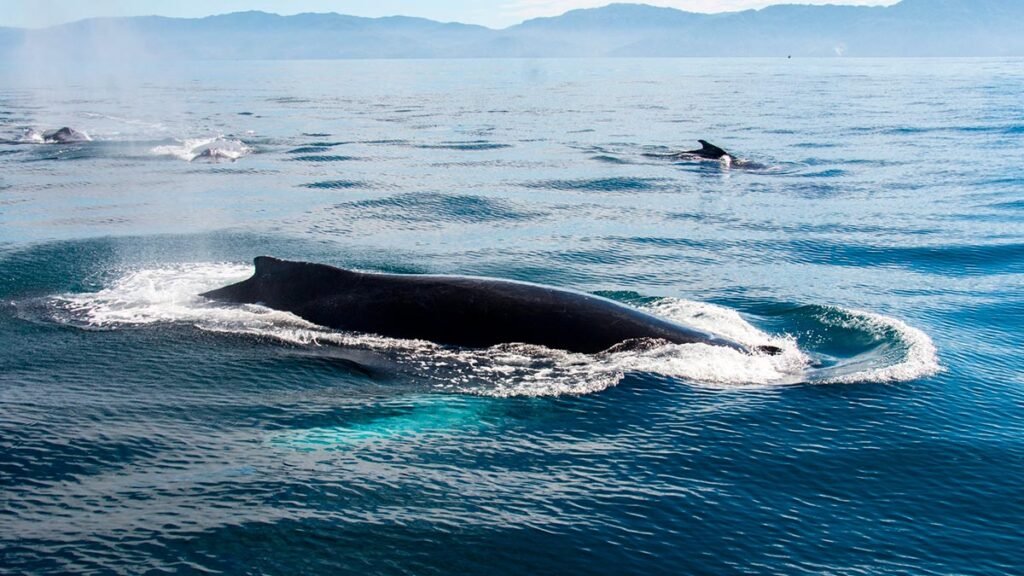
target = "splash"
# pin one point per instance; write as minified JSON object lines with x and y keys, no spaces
{"x":31,"y":136}
{"x":214,"y":148}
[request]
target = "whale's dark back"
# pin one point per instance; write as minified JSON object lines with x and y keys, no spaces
{"x":456,"y":310}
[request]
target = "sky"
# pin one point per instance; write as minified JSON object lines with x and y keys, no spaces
{"x":491,"y":13}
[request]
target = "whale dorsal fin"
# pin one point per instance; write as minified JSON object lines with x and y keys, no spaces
{"x":269,"y":267}
{"x":710,"y":150}
{"x":268,"y":264}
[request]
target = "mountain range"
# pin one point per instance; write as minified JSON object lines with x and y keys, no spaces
{"x":909,"y":28}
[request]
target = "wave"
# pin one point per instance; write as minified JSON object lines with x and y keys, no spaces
{"x":613,"y":184}
{"x":214,"y":148}
{"x":470,"y":145}
{"x":609,"y":159}
{"x":433,"y":207}
{"x":324,"y":158}
{"x":337,"y":184}
{"x":309,"y":150}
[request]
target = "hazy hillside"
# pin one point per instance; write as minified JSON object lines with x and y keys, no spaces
{"x":10,"y":38}
{"x":910,"y":28}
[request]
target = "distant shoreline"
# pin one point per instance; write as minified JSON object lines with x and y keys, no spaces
{"x":911,"y":28}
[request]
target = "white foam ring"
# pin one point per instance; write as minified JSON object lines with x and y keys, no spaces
{"x":212,"y":148}
{"x":170,"y":294}
{"x":915,"y":355}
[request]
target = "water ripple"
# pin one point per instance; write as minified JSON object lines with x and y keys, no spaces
{"x":337,"y":184}
{"x":437,"y":207}
{"x":465,"y":146}
{"x":324,"y":158}
{"x":615,"y":184}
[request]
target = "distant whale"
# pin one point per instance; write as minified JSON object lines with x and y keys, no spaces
{"x":220,"y":149}
{"x":456,"y":310}
{"x":709,"y":151}
{"x":65,"y":135}
{"x":215,"y":154}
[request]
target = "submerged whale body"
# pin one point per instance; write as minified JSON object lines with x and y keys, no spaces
{"x":65,"y":135}
{"x":455,"y":310}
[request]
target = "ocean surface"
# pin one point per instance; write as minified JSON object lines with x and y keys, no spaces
{"x":872,"y":227}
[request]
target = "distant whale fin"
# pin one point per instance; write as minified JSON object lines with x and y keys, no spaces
{"x":709,"y":150}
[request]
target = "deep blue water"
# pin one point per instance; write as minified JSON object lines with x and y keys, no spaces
{"x":876,"y":233}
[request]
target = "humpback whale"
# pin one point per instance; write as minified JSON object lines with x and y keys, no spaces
{"x":466,"y":311}
{"x":65,"y":135}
